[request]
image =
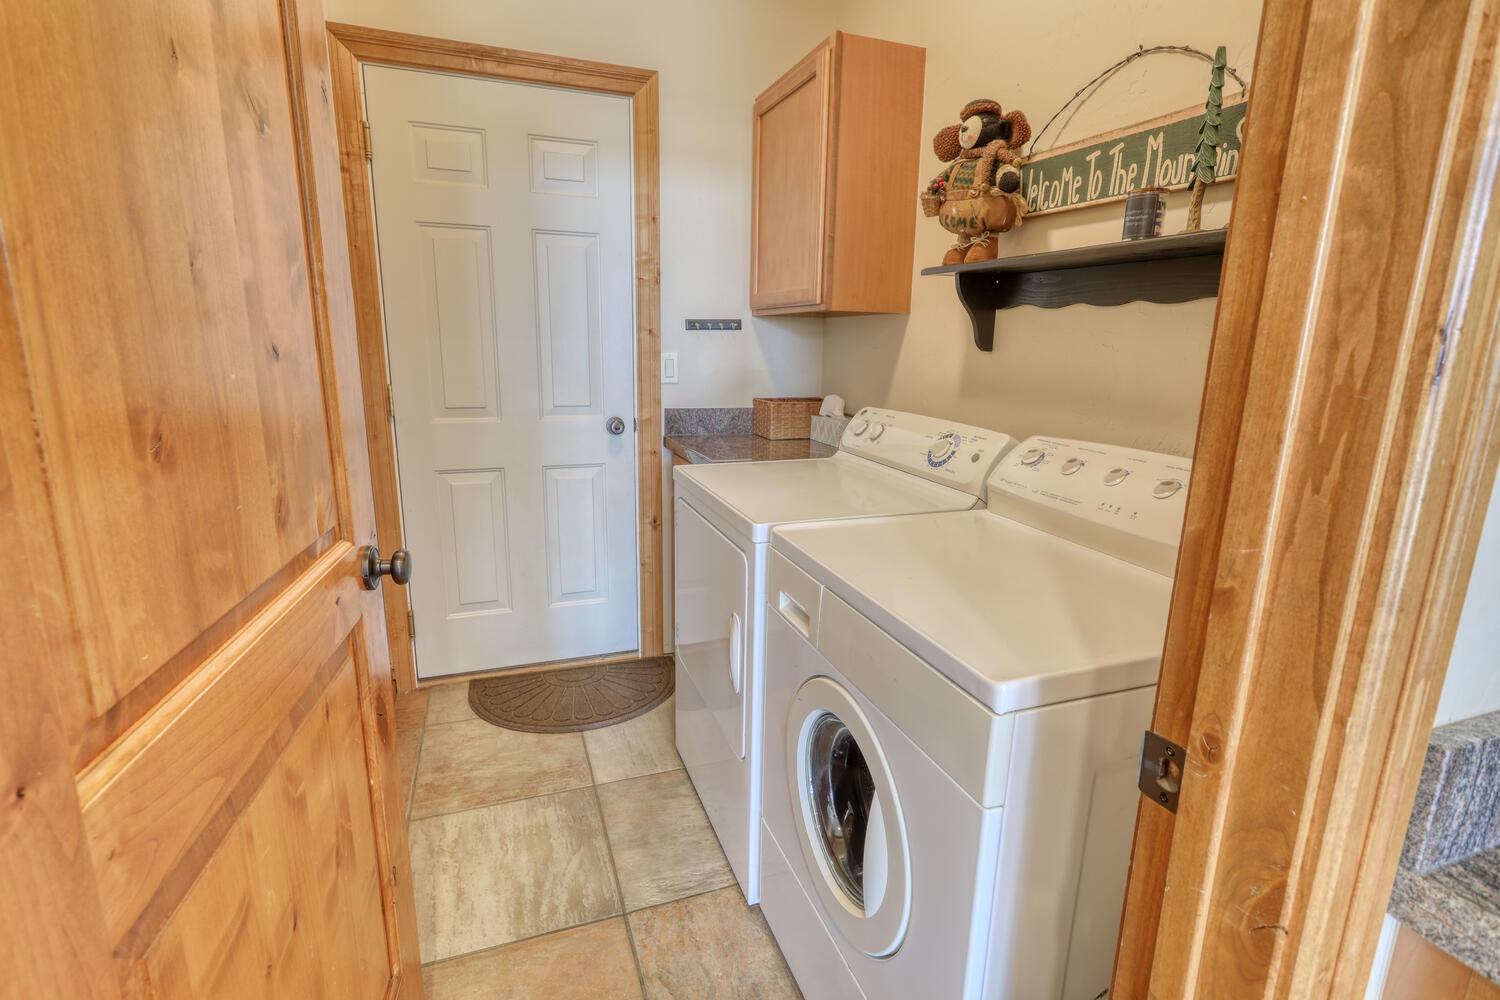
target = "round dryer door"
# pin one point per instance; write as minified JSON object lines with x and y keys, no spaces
{"x":848,"y":818}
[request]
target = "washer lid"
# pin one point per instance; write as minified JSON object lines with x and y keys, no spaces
{"x":1016,"y":617}
{"x":748,"y":498}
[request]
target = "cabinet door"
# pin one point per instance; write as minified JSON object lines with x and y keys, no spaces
{"x":790,"y":199}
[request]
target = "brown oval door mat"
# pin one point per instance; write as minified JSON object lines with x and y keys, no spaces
{"x":572,"y":699}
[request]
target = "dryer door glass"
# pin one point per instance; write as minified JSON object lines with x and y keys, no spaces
{"x":846,"y":811}
{"x":842,"y":795}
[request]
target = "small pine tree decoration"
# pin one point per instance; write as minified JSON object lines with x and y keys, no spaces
{"x":1207,"y":153}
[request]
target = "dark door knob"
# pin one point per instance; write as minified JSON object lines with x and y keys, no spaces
{"x":372,"y":567}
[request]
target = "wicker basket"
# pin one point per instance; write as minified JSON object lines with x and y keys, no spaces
{"x":782,"y":417}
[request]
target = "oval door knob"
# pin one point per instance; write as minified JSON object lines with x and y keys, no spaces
{"x":372,"y":567}
{"x":615,"y":425}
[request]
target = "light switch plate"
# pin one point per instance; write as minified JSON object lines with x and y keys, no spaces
{"x":669,"y":368}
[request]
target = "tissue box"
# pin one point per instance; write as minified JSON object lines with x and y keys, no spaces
{"x":828,"y":430}
{"x":782,"y":417}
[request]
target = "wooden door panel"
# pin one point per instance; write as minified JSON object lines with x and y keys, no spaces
{"x":151,"y":799}
{"x":292,"y":887}
{"x":177,"y":387}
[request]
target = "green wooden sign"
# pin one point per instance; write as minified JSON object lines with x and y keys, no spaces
{"x":1157,"y":153}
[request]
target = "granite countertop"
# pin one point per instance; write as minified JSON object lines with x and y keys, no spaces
{"x":1456,"y":909}
{"x":702,"y":448}
{"x":1448,"y":885}
{"x":723,"y":434}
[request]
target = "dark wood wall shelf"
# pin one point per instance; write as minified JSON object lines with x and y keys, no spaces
{"x":1162,"y":269}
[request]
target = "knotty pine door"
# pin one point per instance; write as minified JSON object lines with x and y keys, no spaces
{"x":197,"y":736}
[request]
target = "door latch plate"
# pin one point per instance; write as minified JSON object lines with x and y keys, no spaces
{"x":1160,"y":778}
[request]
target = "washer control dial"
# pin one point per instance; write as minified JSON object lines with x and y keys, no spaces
{"x":944,"y":447}
{"x":1166,"y":488}
{"x":876,"y":430}
{"x":1116,"y":476}
{"x":860,"y":426}
{"x":1072,"y":465}
{"x":1033,"y":457}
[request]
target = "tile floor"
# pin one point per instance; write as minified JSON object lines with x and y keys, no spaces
{"x":578,"y":866}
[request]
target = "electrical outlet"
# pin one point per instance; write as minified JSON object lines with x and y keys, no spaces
{"x":712,"y":324}
{"x":669,"y":368}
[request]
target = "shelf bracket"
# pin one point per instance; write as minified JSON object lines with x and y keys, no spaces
{"x":981,"y":314}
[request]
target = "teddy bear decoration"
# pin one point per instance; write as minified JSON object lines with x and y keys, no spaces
{"x":978,"y":196}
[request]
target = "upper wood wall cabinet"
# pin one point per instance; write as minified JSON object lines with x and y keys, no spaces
{"x":835,"y":194}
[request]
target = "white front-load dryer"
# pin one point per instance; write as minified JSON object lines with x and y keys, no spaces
{"x":954,"y":706}
{"x":854,"y":795}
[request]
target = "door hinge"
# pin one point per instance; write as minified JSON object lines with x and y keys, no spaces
{"x":369,"y":148}
{"x":390,"y":402}
{"x":1162,"y":763}
{"x":411,"y":623}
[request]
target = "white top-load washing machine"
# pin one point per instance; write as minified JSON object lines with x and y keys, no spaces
{"x":954,"y":709}
{"x":888,"y":463}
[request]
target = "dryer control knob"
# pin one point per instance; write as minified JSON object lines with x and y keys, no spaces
{"x":1115,"y":476}
{"x":1033,"y":456}
{"x":943,"y":448}
{"x":876,"y":430}
{"x":859,"y":427}
{"x":1166,"y":488}
{"x":1072,"y":465}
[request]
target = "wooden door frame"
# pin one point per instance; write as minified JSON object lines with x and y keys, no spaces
{"x":1346,"y":452}
{"x":350,"y":47}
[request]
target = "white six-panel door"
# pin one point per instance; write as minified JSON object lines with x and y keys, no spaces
{"x":504,"y":220}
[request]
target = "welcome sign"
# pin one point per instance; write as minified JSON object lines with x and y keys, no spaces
{"x":1156,"y":153}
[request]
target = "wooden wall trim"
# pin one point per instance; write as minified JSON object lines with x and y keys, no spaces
{"x":646,"y":145}
{"x":1347,"y":451}
{"x":350,"y":46}
{"x":395,"y":48}
{"x":369,"y":322}
{"x":1257,"y":191}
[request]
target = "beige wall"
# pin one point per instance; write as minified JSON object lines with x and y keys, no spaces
{"x":1472,"y":686}
{"x":713,"y":58}
{"x":1130,"y":374}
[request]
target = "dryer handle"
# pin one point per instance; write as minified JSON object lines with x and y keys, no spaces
{"x":736,"y":657}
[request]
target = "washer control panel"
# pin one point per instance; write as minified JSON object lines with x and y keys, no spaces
{"x":1123,"y":501}
{"x":956,"y":455}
